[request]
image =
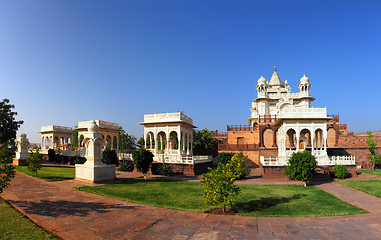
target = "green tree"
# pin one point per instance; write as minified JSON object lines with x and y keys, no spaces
{"x":219,"y":189}
{"x":126,"y":142}
{"x":204,"y":143}
{"x":7,"y":171}
{"x":74,"y":138}
{"x":236,"y":166}
{"x":8,"y":123}
{"x":8,"y":130}
{"x":142,"y":160}
{"x":34,"y":161}
{"x":110,"y":157}
{"x":224,"y":158}
{"x":374,"y":158}
{"x":301,"y":166}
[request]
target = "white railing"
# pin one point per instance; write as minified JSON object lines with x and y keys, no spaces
{"x":125,"y":156}
{"x":323,"y":160}
{"x":182,"y":159}
{"x":272,"y":161}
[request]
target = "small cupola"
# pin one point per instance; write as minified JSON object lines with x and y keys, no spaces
{"x":304,"y":85}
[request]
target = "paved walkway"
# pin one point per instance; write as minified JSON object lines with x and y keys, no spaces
{"x":72,"y":214}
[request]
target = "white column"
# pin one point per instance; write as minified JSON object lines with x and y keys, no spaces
{"x":297,"y":141}
{"x":178,"y":142}
{"x":312,"y":144}
{"x":145,"y":140}
{"x":188,"y":144}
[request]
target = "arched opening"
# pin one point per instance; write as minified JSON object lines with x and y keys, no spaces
{"x":291,"y":138}
{"x":98,"y":144}
{"x":56,"y":142}
{"x":331,"y":137}
{"x":268,"y":138}
{"x":150,"y":141}
{"x":173,"y":140}
{"x":81,"y":138}
{"x":108,"y":142}
{"x":305,"y":139}
{"x":114,"y":143}
{"x":161,"y":141}
{"x":318,"y":139}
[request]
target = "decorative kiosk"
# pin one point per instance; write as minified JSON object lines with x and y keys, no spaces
{"x":94,"y":170}
{"x":22,"y":151}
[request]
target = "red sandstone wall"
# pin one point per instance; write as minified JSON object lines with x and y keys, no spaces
{"x":356,"y":141}
{"x":249,"y":137}
{"x":268,"y":137}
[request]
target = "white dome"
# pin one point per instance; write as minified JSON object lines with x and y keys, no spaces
{"x":262,"y":80}
{"x":304,"y":80}
{"x":93,"y":127}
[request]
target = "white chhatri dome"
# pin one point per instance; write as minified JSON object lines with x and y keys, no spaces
{"x":262,"y":80}
{"x":304,"y":80}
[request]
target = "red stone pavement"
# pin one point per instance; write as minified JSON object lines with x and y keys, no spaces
{"x":73,"y":214}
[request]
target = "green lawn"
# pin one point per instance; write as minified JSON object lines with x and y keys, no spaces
{"x":374,"y":172}
{"x":13,"y":225}
{"x":370,"y":186}
{"x":255,"y":200}
{"x":51,"y":173}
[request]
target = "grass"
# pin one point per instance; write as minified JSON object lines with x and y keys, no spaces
{"x":374,"y":172}
{"x":50,"y":173}
{"x":370,"y":186}
{"x":255,"y":200}
{"x":13,"y":225}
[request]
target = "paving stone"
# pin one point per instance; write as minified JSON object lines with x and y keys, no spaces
{"x":73,"y":214}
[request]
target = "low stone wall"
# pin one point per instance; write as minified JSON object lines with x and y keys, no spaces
{"x":184,"y":169}
{"x":362,"y":154}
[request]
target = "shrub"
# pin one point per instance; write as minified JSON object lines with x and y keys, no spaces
{"x":126,"y":166}
{"x":79,"y":160}
{"x":58,"y":158}
{"x":51,"y":155}
{"x":219,"y":188}
{"x":340,"y":171}
{"x":34,"y":161}
{"x":110,"y":157}
{"x":224,"y":158}
{"x":301,"y":166}
{"x":236,"y":167}
{"x":142,"y":160}
{"x":165,"y":169}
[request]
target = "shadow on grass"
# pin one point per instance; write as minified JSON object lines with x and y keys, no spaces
{"x":67,"y":208}
{"x":53,"y":179}
{"x":265,"y":202}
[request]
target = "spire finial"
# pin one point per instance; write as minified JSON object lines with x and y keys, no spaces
{"x":274,"y":68}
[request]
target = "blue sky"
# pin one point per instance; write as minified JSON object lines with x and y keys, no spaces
{"x":67,"y":61}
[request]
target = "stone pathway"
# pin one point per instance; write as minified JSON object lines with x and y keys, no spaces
{"x":72,"y":214}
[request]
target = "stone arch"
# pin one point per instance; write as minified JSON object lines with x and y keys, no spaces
{"x":150,"y":140}
{"x":291,"y":138}
{"x":108,"y":142}
{"x":173,"y":140}
{"x":331,"y":137}
{"x":114,"y":143}
{"x":304,"y":139}
{"x":161,"y":141}
{"x":268,"y":135}
{"x":81,"y":138}
{"x":318,"y":143}
{"x":56,"y":142}
{"x":98,"y":145}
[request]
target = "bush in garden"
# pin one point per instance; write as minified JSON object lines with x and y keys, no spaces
{"x":126,"y":166}
{"x":165,"y":169}
{"x":340,"y":171}
{"x":79,"y":160}
{"x":224,"y":158}
{"x":110,"y":157}
{"x":219,"y":188}
{"x":301,"y":166}
{"x":236,"y":166}
{"x":34,"y":161}
{"x":51,"y":155}
{"x":142,"y":160}
{"x":7,"y":171}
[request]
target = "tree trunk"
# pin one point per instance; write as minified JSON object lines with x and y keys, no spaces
{"x":223,"y":209}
